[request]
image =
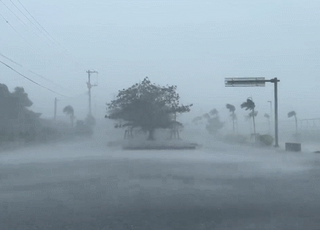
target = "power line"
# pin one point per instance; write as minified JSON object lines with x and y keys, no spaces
{"x":29,"y":20}
{"x":14,"y":14}
{"x":42,"y":30}
{"x":10,"y":60}
{"x":29,"y":79}
{"x":39,"y":75}
{"x":15,"y":30}
{"x":41,"y":26}
{"x":20,"y":19}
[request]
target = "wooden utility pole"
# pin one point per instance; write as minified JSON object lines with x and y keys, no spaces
{"x":89,"y":88}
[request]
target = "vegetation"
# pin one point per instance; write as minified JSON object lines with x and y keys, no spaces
{"x":147,"y":105}
{"x":231,"y":109}
{"x":213,"y":122}
{"x":249,"y":105}
{"x":70,"y":112}
{"x":294,"y":114}
{"x":236,"y":138}
{"x":16,"y":120}
{"x":21,"y":125}
{"x":266,"y":140}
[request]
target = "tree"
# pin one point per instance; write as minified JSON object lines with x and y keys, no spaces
{"x":213,"y":122}
{"x":147,"y":105}
{"x":232,"y":108}
{"x":68,"y":110}
{"x":16,"y":119}
{"x":214,"y":112}
{"x":249,"y":105}
{"x":23,"y":98}
{"x":293,"y":114}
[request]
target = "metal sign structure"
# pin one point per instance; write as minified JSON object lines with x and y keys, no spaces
{"x":259,"y":82}
{"x":245,"y":82}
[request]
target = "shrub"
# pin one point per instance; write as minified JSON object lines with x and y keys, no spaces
{"x":236,"y":138}
{"x":266,"y":140}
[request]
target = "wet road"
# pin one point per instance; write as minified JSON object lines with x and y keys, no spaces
{"x":90,"y":186}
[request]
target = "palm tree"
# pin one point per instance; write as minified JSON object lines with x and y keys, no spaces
{"x":294,"y":114}
{"x":232,"y":108}
{"x":68,"y":110}
{"x":249,"y":105}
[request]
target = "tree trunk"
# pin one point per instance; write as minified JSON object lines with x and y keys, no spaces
{"x":254,"y":123}
{"x":151,"y":135}
{"x":233,"y":122}
{"x":295,"y":117}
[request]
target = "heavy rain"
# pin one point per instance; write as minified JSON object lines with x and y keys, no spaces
{"x":159,"y":115}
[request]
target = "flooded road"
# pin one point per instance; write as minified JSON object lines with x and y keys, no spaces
{"x":92,"y":186}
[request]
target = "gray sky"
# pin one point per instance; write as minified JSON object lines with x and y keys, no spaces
{"x":191,"y":44}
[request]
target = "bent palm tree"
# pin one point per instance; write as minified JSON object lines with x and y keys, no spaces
{"x":294,"y":114}
{"x":69,"y":111}
{"x":232,"y":108}
{"x":249,"y":105}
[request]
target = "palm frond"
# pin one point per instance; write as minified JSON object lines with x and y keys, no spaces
{"x":248,"y":105}
{"x":231,"y":108}
{"x":292,"y":113}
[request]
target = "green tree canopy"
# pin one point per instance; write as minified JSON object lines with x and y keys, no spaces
{"x":22,"y":96}
{"x":147,"y":105}
{"x":12,"y":103}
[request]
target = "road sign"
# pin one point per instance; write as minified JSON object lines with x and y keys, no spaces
{"x":258,"y":82}
{"x":245,"y":82}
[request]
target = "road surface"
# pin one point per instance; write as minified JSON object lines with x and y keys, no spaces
{"x":88,"y":185}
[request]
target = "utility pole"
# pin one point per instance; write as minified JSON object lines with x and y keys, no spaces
{"x":89,"y":88}
{"x":55,"y":108}
{"x":275,"y":83}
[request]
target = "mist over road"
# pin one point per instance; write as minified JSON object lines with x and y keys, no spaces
{"x":88,"y":185}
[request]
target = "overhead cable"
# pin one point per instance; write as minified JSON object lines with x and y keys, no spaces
{"x":52,"y":38}
{"x":21,"y":20}
{"x":30,"y":21}
{"x":15,"y":30}
{"x":39,"y":75}
{"x":29,"y":79}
